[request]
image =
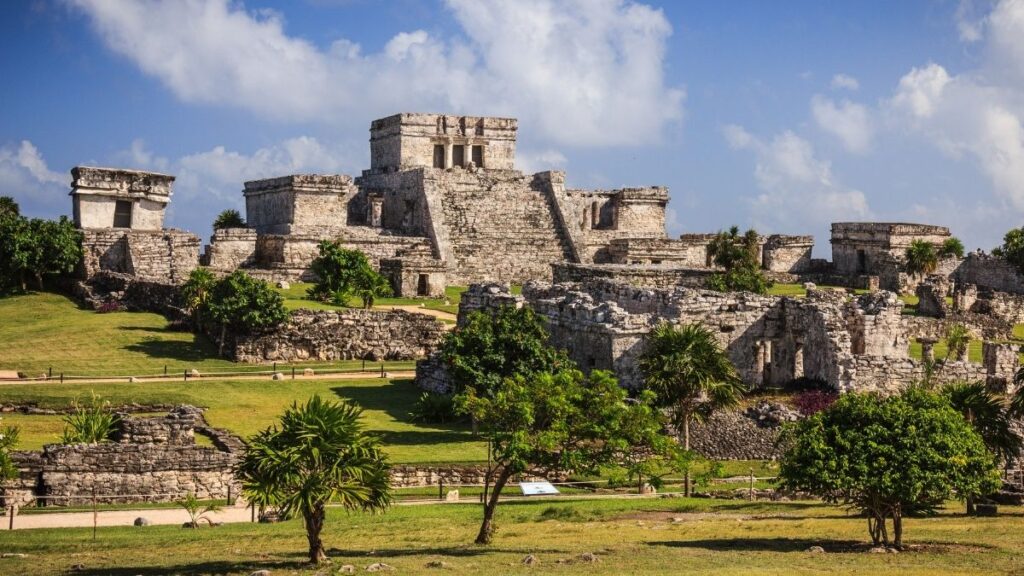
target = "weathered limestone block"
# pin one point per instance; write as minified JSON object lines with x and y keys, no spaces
{"x":230,"y":249}
{"x":931,"y":294}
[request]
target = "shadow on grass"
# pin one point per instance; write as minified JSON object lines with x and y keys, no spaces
{"x":396,"y":398}
{"x":766,"y":544}
{"x":410,"y":438}
{"x":182,"y":351}
{"x":212,"y":567}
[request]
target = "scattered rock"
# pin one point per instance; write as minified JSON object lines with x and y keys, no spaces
{"x":12,"y":555}
{"x":78,"y":568}
{"x":892,"y":551}
{"x":772,"y":413}
{"x":438,"y":564}
{"x":132,"y":379}
{"x":816,"y":550}
{"x":308,"y":372}
{"x":140,"y":521}
{"x":380,"y":567}
{"x":589,"y":557}
{"x":347,"y":569}
{"x":260,"y":573}
{"x":193,"y":373}
{"x":277,"y":376}
{"x":452,"y":496}
{"x":530,"y":560}
{"x":810,"y":286}
{"x":283,"y":285}
{"x":878,"y":550}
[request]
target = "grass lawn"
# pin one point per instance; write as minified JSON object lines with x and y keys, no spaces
{"x":798,"y":290}
{"x":295,"y":297}
{"x":973,"y":350}
{"x":40,"y":331}
{"x":651,"y":536}
{"x":245,"y":407}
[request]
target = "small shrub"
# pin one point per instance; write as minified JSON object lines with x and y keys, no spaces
{"x":111,"y":306}
{"x":561,"y":513}
{"x":89,"y":424}
{"x":432,"y":408}
{"x":197,"y":511}
{"x":952,"y":248}
{"x":811,"y":402}
{"x":8,"y":440}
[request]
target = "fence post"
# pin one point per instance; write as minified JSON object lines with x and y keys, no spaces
{"x":364,"y":365}
{"x":751,"y":483}
{"x":229,"y":495}
{"x":275,"y":366}
{"x":61,"y":377}
{"x":293,"y":372}
{"x":252,"y":506}
{"x":49,"y":373}
{"x":381,"y":369}
{"x":440,"y":489}
{"x":185,"y":373}
{"x":165,"y":369}
{"x":95,"y":514}
{"x":10,"y":522}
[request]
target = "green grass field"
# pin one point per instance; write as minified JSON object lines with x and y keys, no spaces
{"x":295,"y":297}
{"x":650,"y":536}
{"x":244,"y":407}
{"x":798,"y":290}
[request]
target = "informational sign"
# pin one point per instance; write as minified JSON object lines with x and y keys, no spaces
{"x":537,"y":488}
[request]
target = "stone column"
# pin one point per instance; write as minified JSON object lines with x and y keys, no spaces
{"x":448,"y":154}
{"x":1001,"y":364}
{"x":927,"y":348}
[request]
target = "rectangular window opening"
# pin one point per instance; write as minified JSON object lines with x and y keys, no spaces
{"x":458,"y":155}
{"x":123,"y":214}
{"x":438,"y":155}
{"x":478,"y":156}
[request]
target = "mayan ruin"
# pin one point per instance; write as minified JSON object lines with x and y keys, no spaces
{"x":502,"y":287}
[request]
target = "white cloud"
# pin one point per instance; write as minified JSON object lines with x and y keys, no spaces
{"x":796,"y":187}
{"x":920,"y":91}
{"x":25,"y":177}
{"x":579,"y":72}
{"x":969,"y":26}
{"x":848,"y":121}
{"x":532,"y":162}
{"x":844,"y":82}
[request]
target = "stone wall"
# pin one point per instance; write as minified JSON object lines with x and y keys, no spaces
{"x":167,"y":256}
{"x":130,"y":293}
{"x":654,"y":276}
{"x":152,"y":460}
{"x":732,"y":435}
{"x":342,"y":335}
{"x":790,"y":254}
{"x":985,"y":271}
{"x":230,"y":249}
{"x":304,"y":204}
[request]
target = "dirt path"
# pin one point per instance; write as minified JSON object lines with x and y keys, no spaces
{"x":267,"y":377}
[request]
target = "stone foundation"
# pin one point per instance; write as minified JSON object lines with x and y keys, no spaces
{"x":166,"y":256}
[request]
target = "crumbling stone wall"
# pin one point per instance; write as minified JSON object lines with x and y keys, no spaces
{"x":167,"y":256}
{"x":230,"y":249}
{"x":732,"y":435}
{"x":640,"y":276}
{"x":989,"y":272}
{"x":152,"y":460}
{"x":342,"y":335}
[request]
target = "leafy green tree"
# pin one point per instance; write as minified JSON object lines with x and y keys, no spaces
{"x":1012,"y":249}
{"x":342,"y":273}
{"x":319,"y":455}
{"x":921,"y":257}
{"x":196,"y":292}
{"x":739,"y":255}
{"x":228,"y":219}
{"x":690,"y":374}
{"x":958,"y":338}
{"x":493,"y":346}
{"x":90,"y":423}
{"x":887,"y":457}
{"x":8,"y":440}
{"x":9,"y":207}
{"x":243,"y":304}
{"x":549,"y":423}
{"x":952,"y":247}
{"x":37,"y":248}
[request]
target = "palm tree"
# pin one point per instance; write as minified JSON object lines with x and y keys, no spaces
{"x":986,"y":411}
{"x":691,"y":374}
{"x":319,"y":455}
{"x":921,"y":258}
{"x":196,"y":292}
{"x":958,"y":337}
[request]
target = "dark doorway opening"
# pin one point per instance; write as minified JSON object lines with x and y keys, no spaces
{"x":862,"y":262}
{"x":478,"y":156}
{"x":438,"y":155}
{"x":423,"y":285}
{"x":458,"y":155}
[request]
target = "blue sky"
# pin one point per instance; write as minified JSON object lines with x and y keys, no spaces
{"x":780,"y":115}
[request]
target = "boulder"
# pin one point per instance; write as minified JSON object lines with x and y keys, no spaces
{"x":530,"y":560}
{"x":277,"y":376}
{"x":380,"y":567}
{"x":140,"y":521}
{"x":283,"y":284}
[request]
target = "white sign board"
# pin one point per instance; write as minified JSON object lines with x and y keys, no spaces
{"x":537,"y":488}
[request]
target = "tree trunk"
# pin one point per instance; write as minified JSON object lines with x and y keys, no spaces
{"x":39,"y":281}
{"x":314,"y":525}
{"x":897,"y":529}
{"x":970,"y":505}
{"x":223,"y":335}
{"x":686,"y":446}
{"x":487,"y":527}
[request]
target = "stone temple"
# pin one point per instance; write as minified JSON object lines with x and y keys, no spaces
{"x":441,"y":204}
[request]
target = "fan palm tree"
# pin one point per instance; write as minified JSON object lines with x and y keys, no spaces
{"x":319,"y":455}
{"x":690,"y":374}
{"x":986,"y":411}
{"x":921,"y":258}
{"x":958,"y":337}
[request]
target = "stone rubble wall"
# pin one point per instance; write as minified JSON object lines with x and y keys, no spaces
{"x":654,"y":276}
{"x":132,"y":294}
{"x":989,"y":272}
{"x":167,"y":256}
{"x":347,"y":334}
{"x":732,"y":435}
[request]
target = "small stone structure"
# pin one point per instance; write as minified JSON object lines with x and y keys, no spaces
{"x":879,"y":249}
{"x":121,"y":214}
{"x":230,"y":249}
{"x":150,"y":460}
{"x":344,"y":334}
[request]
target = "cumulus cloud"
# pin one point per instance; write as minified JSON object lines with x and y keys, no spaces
{"x":844,"y":82}
{"x":796,"y":187}
{"x":579,"y":72}
{"x":969,"y":25}
{"x":846,"y":120}
{"x":25,"y":177}
{"x":530,"y":161}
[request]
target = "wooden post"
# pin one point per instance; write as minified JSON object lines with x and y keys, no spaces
{"x":275,"y":366}
{"x":293,"y":372}
{"x":229,"y":495}
{"x":364,"y":365}
{"x":61,"y":377}
{"x":751,"y":483}
{"x":186,"y":375}
{"x":252,"y":506}
{"x":10,"y":520}
{"x":440,"y":488}
{"x":165,"y":369}
{"x":49,"y":373}
{"x":381,"y":369}
{"x":95,"y":514}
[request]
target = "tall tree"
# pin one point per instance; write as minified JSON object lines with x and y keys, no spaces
{"x":319,"y":455}
{"x":690,"y":374}
{"x":887,"y":457}
{"x":9,"y":207}
{"x":952,"y":247}
{"x":550,"y":423}
{"x":1012,"y":249}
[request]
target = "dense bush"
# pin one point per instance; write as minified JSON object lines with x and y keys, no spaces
{"x":1012,"y":249}
{"x":342,"y":273}
{"x":739,"y":256}
{"x":432,"y":408}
